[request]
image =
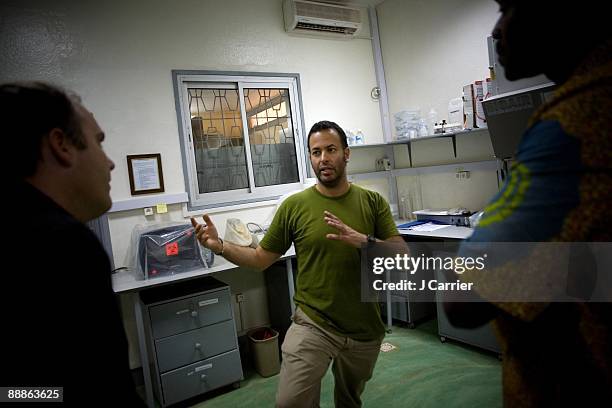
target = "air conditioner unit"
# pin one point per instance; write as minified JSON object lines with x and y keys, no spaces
{"x":309,"y":17}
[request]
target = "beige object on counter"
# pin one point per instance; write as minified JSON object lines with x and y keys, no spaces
{"x":237,"y":233}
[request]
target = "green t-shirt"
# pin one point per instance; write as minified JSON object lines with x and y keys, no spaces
{"x":328,"y":272}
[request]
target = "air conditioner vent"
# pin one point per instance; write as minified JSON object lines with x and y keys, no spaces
{"x":324,"y":28}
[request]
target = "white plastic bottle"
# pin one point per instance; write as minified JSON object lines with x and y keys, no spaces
{"x":423,"y":128}
{"x":431,"y":120}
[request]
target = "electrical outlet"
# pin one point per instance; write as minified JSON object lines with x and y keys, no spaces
{"x":148,"y":211}
{"x":462,"y":174}
{"x":240,"y":297}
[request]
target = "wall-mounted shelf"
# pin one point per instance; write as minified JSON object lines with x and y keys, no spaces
{"x":408,"y":142}
{"x":479,"y":165}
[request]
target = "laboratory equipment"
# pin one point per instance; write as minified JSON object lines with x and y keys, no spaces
{"x":170,"y":250}
{"x":508,"y":115}
{"x":455,"y":216}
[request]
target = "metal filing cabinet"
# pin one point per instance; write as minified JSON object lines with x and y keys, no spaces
{"x":191,"y":339}
{"x":410,"y":307}
{"x":483,"y":336}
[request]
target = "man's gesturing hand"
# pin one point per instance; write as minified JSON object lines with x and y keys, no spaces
{"x":345,"y":233}
{"x":207,"y":234}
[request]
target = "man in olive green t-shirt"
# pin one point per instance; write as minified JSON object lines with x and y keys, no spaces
{"x":327,"y":223}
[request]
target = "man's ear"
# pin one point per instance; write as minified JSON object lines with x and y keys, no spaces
{"x":347,"y":154}
{"x":60,"y":147}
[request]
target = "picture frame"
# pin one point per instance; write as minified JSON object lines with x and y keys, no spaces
{"x":145,"y":173}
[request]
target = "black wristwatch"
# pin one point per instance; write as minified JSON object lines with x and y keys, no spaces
{"x":371,"y":238}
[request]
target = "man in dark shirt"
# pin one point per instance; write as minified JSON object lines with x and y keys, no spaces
{"x":61,"y":326}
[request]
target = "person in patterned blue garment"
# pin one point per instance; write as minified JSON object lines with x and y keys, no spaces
{"x":559,"y":189}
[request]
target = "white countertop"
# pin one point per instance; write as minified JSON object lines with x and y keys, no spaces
{"x":130,"y":281}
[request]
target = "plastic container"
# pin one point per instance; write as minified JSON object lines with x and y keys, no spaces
{"x":407,"y":124}
{"x":350,"y":138}
{"x":264,"y":347}
{"x":431,"y":120}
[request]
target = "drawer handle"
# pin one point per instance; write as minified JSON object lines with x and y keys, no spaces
{"x":208,"y":302}
{"x":203,"y":377}
{"x":198,"y":346}
{"x":180,"y":312}
{"x":204,"y":367}
{"x":194,"y":314}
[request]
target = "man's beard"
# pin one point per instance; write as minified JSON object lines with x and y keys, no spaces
{"x":330,"y":183}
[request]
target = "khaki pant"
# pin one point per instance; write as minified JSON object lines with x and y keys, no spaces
{"x":307,"y":352}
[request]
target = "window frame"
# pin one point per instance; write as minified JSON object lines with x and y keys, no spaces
{"x":182,"y":80}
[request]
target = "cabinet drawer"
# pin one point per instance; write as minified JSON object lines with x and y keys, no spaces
{"x":191,"y":313}
{"x":200,"y":377}
{"x":185,"y":348}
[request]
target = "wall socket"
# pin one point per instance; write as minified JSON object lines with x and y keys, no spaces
{"x":383,"y":164}
{"x":240,"y":297}
{"x":462,"y":174}
{"x":148,"y":211}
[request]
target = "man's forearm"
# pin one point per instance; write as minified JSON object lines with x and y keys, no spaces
{"x":243,"y":256}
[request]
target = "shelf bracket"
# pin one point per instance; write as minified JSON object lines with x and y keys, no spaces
{"x":409,"y":145}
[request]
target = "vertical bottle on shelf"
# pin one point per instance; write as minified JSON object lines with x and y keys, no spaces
{"x":402,"y":208}
{"x":409,"y":209}
{"x":416,"y":195}
{"x":423,"y":131}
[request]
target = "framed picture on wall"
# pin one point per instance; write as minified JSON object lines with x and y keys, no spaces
{"x":145,"y":172}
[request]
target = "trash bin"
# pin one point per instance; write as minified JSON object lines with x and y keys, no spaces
{"x":264,"y":345}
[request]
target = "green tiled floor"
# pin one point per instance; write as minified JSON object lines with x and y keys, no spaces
{"x":421,"y":372}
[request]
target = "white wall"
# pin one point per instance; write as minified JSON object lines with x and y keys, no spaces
{"x":431,"y":48}
{"x":118,"y":55}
